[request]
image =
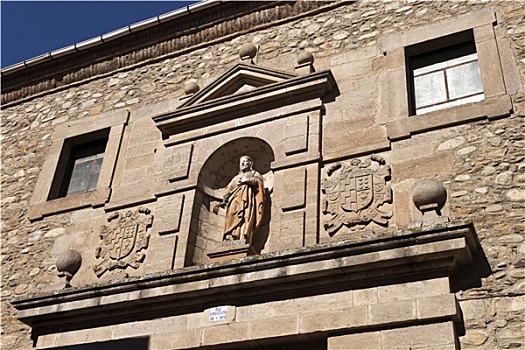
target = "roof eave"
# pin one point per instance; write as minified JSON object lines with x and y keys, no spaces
{"x":133,"y":28}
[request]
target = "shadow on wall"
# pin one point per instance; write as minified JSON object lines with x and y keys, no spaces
{"x":207,"y":227}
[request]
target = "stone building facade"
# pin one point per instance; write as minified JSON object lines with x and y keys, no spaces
{"x":391,"y":199}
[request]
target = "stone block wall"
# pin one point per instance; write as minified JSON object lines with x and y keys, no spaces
{"x":481,"y":162}
{"x":295,"y":320}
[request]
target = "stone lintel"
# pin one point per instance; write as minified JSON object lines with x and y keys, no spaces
{"x":312,"y":107}
{"x":412,"y":254}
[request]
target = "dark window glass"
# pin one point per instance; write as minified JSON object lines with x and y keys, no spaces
{"x":80,"y":164}
{"x":86,"y":169}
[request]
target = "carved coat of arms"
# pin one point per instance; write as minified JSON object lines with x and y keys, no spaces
{"x":354,"y":193}
{"x":124,"y":241}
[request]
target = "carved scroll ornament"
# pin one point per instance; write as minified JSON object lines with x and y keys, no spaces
{"x":124,"y":241}
{"x":354,"y":193}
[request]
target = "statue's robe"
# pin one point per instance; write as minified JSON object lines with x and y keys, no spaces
{"x":245,"y":207}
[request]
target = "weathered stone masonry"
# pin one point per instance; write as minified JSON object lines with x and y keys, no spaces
{"x":191,"y":32}
{"x":481,"y":162}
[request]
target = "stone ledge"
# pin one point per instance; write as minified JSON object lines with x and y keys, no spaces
{"x":94,"y":198}
{"x":437,"y":251}
{"x":490,"y":108}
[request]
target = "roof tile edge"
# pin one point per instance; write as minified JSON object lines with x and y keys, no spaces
{"x":133,"y":28}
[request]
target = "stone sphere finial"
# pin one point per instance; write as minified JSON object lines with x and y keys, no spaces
{"x":247,"y":50}
{"x":68,"y":263}
{"x":191,"y":88}
{"x":305,"y":57}
{"x":429,"y":194}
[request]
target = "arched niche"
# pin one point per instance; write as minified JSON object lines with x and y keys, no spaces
{"x":207,"y":226}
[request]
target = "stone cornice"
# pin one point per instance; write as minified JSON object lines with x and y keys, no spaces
{"x":443,"y":250}
{"x":234,"y":78}
{"x":303,"y":88}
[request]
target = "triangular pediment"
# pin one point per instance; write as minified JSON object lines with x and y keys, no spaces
{"x":244,"y":90}
{"x":240,"y":79}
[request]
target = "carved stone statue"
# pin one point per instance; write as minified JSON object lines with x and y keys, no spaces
{"x":244,"y":203}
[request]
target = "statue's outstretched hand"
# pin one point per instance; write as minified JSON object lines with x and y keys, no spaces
{"x":222,"y":204}
{"x":224,"y":201}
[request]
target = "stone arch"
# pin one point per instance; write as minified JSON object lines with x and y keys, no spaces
{"x":206,"y":229}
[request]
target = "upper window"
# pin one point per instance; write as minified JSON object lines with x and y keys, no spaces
{"x":79,"y":167}
{"x":452,"y":71}
{"x":443,"y":73}
{"x":80,"y":164}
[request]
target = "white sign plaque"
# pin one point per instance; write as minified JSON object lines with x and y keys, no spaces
{"x":218,"y":313}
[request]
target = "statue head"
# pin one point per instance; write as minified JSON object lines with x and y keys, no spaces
{"x":245,"y":163}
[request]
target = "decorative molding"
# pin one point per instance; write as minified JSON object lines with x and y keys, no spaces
{"x":293,"y":182}
{"x":220,"y":109}
{"x":169,"y":215}
{"x":297,"y":133}
{"x":235,"y":79}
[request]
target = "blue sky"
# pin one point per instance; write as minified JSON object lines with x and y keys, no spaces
{"x":33,"y":28}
